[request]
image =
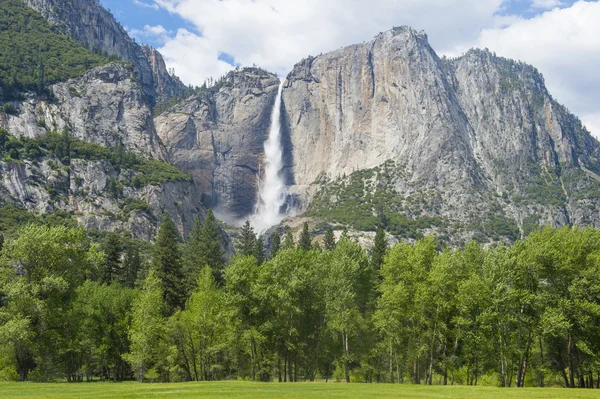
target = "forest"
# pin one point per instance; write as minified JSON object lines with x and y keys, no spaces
{"x":36,"y":54}
{"x":75,"y":307}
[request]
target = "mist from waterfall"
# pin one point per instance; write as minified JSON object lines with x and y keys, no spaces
{"x":272,"y":190}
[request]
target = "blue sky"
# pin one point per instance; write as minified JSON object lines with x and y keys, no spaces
{"x":207,"y":38}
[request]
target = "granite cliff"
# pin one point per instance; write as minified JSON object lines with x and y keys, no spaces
{"x":469,"y":140}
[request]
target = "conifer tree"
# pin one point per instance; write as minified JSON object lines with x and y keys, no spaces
{"x":210,"y":239}
{"x":379,"y":249}
{"x":132,"y":264}
{"x":275,"y":245}
{"x":305,"y":241}
{"x":247,"y":243}
{"x":329,"y":241}
{"x":113,"y":249}
{"x":193,"y":255}
{"x":167,"y":264}
{"x":259,"y":250}
{"x":288,"y":242}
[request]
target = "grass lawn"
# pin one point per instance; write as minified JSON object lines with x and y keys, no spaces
{"x":316,"y":390}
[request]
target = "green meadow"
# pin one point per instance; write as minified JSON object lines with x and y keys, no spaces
{"x":233,"y":390}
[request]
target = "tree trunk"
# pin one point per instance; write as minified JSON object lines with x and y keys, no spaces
{"x":346,"y":355}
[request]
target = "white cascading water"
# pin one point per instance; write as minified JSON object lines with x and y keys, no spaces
{"x":272,"y":191}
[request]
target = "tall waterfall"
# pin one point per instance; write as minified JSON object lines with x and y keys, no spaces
{"x":272,"y":191}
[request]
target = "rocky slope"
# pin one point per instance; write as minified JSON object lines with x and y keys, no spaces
{"x":88,"y":22}
{"x":471,"y":139}
{"x":105,"y":106}
{"x":218,"y":137}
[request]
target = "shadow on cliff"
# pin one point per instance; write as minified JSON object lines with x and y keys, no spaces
{"x":288,"y":156}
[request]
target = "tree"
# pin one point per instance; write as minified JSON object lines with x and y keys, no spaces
{"x":345,"y":298}
{"x":288,"y":242}
{"x":379,"y":250}
{"x":132,"y":264}
{"x":204,"y":325}
{"x":203,"y":248}
{"x":211,"y":244}
{"x":305,"y":242}
{"x":35,"y":329}
{"x":275,"y":245}
{"x":166,"y":262}
{"x":113,"y":249}
{"x":193,"y":255}
{"x":247,"y":242}
{"x":147,"y":326}
{"x":259,"y":251}
{"x":329,"y":241}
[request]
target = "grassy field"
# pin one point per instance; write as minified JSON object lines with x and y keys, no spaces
{"x":235,"y":390}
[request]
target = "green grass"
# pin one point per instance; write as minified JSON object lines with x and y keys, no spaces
{"x":232,"y":390}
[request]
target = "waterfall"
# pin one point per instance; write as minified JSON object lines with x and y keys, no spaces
{"x":272,"y":190}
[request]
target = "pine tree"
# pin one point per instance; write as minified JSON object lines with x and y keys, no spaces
{"x":132,"y":264}
{"x":193,"y":255}
{"x":259,"y":250}
{"x":210,"y":239}
{"x":379,"y":250}
{"x":113,"y":249}
{"x":288,"y":243}
{"x":329,"y":241}
{"x":247,"y":243}
{"x":305,"y":241}
{"x":1,"y":242}
{"x":167,"y":264}
{"x":275,"y":244}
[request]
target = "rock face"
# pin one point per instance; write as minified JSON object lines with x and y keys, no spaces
{"x":479,"y":133}
{"x":218,"y":137}
{"x":104,"y":106}
{"x":88,"y":22}
{"x":83,"y":190}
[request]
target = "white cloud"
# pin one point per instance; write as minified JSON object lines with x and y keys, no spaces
{"x":188,"y":53}
{"x":564,"y":44}
{"x":275,"y":34}
{"x":145,"y":5}
{"x":156,"y":33}
{"x":546,"y":4}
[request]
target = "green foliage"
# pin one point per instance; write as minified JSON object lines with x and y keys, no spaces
{"x":65,"y":147}
{"x":203,"y":248}
{"x":147,"y":326}
{"x":380,"y":247}
{"x":275,"y":245}
{"x":247,"y":242}
{"x":329,"y":240}
{"x":167,"y":264}
{"x":367,"y":198}
{"x":467,"y":316}
{"x":305,"y":242}
{"x":33,"y":54}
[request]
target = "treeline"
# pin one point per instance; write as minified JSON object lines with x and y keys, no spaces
{"x":520,"y":315}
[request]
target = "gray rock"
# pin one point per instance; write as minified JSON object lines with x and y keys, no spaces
{"x":218,"y":137}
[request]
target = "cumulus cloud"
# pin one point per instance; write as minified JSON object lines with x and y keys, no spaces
{"x":157,"y":33}
{"x":275,"y":34}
